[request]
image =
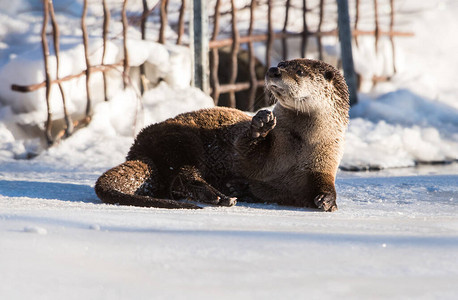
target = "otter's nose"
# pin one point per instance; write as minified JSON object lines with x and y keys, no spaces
{"x":274,"y":72}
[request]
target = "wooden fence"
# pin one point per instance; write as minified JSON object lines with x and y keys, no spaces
{"x":259,"y":11}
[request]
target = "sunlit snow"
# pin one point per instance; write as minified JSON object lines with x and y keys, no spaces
{"x":394,"y":236}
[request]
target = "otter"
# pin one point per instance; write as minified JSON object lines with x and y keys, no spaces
{"x":289,"y":155}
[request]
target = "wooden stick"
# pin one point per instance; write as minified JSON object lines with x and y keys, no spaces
{"x":47,"y":82}
{"x":56,"y":35}
{"x":305,"y":30}
{"x":125,"y":25}
{"x":239,"y":86}
{"x":163,"y":14}
{"x":355,"y":28}
{"x":106,"y":23}
{"x":234,"y":53}
{"x":36,"y":86}
{"x":377,"y":27}
{"x":393,"y":50}
{"x":270,"y":42}
{"x":86,"y":56}
{"x":214,"y":62}
{"x":320,"y":23}
{"x":263,"y":37}
{"x":181,"y":22}
{"x":285,"y":26}
{"x":252,"y":60}
{"x":270,"y":34}
{"x":376,"y":79}
{"x":380,"y":33}
{"x":143,"y":81}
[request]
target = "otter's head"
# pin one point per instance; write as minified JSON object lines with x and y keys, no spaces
{"x":307,"y":85}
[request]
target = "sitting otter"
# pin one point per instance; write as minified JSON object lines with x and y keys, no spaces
{"x":288,"y":156}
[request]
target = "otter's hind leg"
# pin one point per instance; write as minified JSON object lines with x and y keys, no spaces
{"x":189,"y":184}
{"x":134,"y":183}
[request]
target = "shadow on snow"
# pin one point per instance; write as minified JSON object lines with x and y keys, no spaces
{"x":48,"y":190}
{"x":367,"y":239}
{"x":84,"y":193}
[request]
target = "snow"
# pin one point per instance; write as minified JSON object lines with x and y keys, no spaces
{"x":391,"y":237}
{"x":35,"y":229}
{"x":382,"y":134}
{"x":395,"y":234}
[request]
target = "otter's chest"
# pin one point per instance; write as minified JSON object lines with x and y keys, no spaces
{"x":293,"y":148}
{"x":287,"y":159}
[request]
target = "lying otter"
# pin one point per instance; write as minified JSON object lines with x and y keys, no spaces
{"x":288,"y":156}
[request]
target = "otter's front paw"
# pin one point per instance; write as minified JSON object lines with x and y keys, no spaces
{"x":326,"y":202}
{"x":262,"y":123}
{"x":227,"y":201}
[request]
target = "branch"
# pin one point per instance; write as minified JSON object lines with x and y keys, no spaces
{"x":34,"y":87}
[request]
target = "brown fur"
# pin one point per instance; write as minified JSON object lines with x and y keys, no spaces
{"x":289,"y":156}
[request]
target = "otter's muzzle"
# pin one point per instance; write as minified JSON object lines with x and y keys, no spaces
{"x":273,"y":72}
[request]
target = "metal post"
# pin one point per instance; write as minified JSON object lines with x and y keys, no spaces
{"x":345,"y":47}
{"x":199,"y":45}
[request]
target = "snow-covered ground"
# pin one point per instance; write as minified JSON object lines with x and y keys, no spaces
{"x":395,"y":234}
{"x":392,"y":237}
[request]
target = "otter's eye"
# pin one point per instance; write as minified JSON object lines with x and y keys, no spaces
{"x":328,"y":75}
{"x":301,"y":73}
{"x":282,"y":65}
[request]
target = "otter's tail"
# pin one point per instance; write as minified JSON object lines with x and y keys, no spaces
{"x":128,"y":183}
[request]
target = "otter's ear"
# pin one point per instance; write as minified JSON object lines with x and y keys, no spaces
{"x":328,"y":75}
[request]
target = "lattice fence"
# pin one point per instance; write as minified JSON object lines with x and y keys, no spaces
{"x":232,"y":49}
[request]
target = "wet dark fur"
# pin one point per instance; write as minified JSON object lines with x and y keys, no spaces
{"x":220,"y":154}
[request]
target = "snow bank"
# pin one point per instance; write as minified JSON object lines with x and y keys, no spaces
{"x":413,"y":118}
{"x":107,"y":139}
{"x":115,"y":123}
{"x":400,"y":129}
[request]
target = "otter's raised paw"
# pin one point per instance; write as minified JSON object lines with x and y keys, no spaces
{"x":226,"y":201}
{"x":262,"y":123}
{"x":326,"y":202}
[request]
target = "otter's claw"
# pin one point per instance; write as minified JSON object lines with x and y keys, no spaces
{"x":326,"y":202}
{"x":262,"y":123}
{"x":226,"y":201}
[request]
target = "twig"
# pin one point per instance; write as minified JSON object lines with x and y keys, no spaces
{"x":34,"y":87}
{"x":234,"y":53}
{"x":181,"y":21}
{"x":106,"y":24}
{"x":356,"y":22}
{"x":163,"y":14}
{"x":252,"y":57}
{"x":377,"y":28}
{"x":279,"y":35}
{"x":55,"y":31}
{"x":285,"y":26}
{"x":124,"y":35}
{"x":305,"y":30}
{"x":47,"y":83}
{"x":86,"y":56}
{"x":270,"y":33}
{"x":320,"y":23}
{"x":214,"y":62}
{"x":143,"y":82}
{"x":393,"y":50}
